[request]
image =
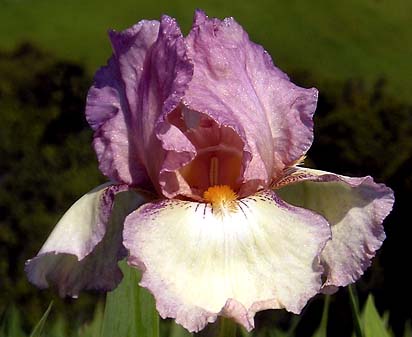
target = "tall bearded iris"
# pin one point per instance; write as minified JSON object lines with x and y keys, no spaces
{"x":215,"y":131}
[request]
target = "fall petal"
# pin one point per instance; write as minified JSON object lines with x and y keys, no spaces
{"x":236,"y":84}
{"x":355,"y":209}
{"x":200,"y":263}
{"x":83,"y":250}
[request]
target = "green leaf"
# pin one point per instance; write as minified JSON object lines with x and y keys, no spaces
{"x":293,"y":325}
{"x":130,"y":310}
{"x":321,"y":331}
{"x":373,"y":325}
{"x":176,"y":330}
{"x":408,"y":329}
{"x":93,"y":328}
{"x":227,"y":328}
{"x":223,"y":327}
{"x":244,"y":332}
{"x":59,"y":327}
{"x":11,"y":323}
{"x":274,"y":332}
{"x":38,"y":329}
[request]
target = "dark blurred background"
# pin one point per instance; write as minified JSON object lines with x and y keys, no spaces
{"x":357,"y":53}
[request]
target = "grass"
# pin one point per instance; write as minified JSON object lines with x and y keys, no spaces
{"x":353,"y":38}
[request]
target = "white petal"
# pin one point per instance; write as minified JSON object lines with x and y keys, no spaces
{"x":84,"y":247}
{"x":79,"y":230}
{"x":198,"y":263}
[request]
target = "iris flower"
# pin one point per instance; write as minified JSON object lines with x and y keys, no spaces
{"x":201,"y":137}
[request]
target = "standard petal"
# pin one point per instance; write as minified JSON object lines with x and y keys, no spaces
{"x":112,"y":103}
{"x":164,"y":83}
{"x":130,"y":100}
{"x":355,"y":209}
{"x":83,"y":250}
{"x":236,"y":84}
{"x":158,"y":90}
{"x":262,"y":254}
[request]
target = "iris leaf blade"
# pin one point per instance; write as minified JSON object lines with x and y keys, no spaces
{"x":408,"y":329}
{"x":354,"y":302}
{"x":38,"y":329}
{"x":130,"y":310}
{"x":373,"y":324}
{"x":177,"y":330}
{"x":321,"y":331}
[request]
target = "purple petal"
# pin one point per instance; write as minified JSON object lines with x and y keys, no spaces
{"x":165,"y":80}
{"x":112,"y":102}
{"x":236,"y":84}
{"x":257,"y":254}
{"x":355,"y":209}
{"x":129,"y":102}
{"x":83,"y":250}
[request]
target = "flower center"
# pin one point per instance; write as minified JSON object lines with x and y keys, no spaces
{"x":213,"y":166}
{"x":219,"y":152}
{"x":222,"y":198}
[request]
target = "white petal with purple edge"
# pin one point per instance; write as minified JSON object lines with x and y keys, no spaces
{"x":83,"y":250}
{"x":199,"y":263}
{"x":355,"y":209}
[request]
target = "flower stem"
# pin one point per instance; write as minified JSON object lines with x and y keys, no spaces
{"x":354,"y":303}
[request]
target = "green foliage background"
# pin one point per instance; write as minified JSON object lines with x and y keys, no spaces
{"x":356,"y":52}
{"x":335,"y":40}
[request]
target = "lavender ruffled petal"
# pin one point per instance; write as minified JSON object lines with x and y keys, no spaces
{"x":236,"y":83}
{"x":112,"y":104}
{"x":355,"y":209}
{"x":165,"y":78}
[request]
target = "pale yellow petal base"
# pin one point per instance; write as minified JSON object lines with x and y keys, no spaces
{"x":198,"y":263}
